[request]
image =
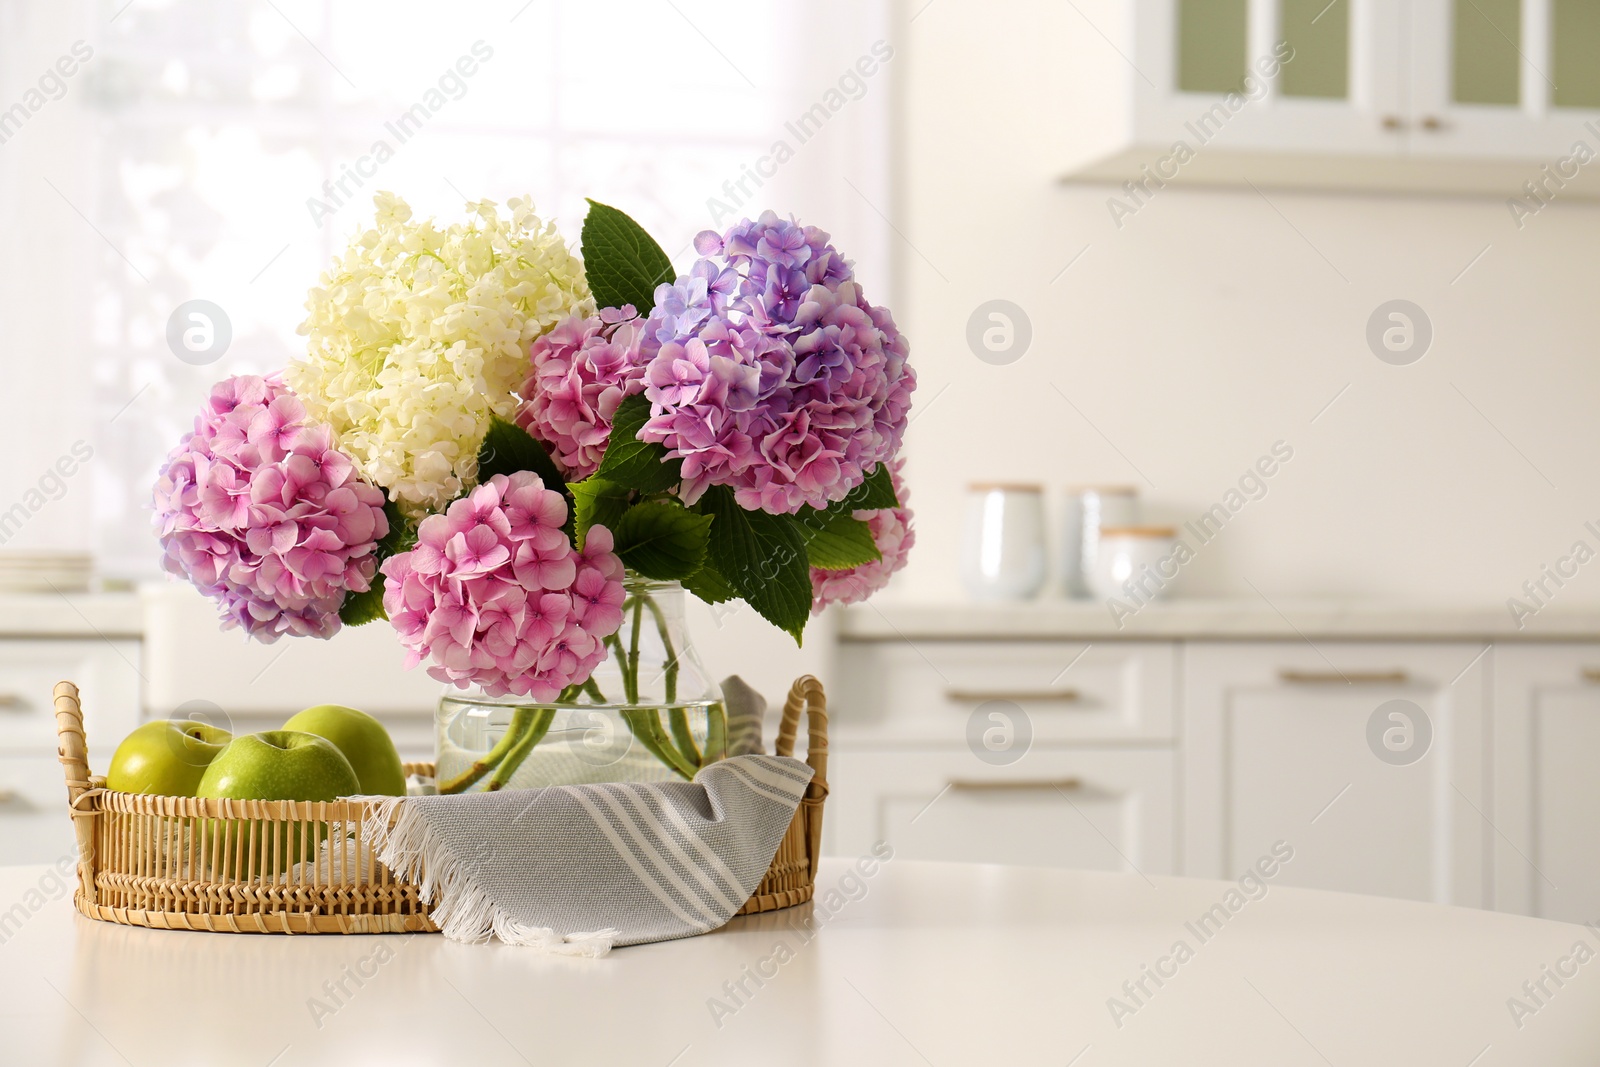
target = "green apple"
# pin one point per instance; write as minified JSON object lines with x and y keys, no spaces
{"x":166,"y":756}
{"x":364,"y":742}
{"x":279,"y":765}
{"x":276,"y":765}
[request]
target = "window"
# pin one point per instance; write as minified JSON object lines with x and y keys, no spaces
{"x":223,"y":152}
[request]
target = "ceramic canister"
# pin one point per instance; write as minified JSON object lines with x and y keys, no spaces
{"x":1134,"y":562}
{"x":1003,"y":544}
{"x":1089,"y":508}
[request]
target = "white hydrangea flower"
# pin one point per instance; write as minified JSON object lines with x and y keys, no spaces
{"x":418,"y":334}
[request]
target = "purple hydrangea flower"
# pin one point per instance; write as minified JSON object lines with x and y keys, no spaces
{"x":770,"y":373}
{"x":260,"y":511}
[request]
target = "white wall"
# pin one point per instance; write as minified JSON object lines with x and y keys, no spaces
{"x":1211,"y":326}
{"x":46,"y":286}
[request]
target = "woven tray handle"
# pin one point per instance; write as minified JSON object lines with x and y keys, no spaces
{"x":806,"y":695}
{"x":72,"y":749}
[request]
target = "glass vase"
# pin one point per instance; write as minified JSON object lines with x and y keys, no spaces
{"x":648,"y":713}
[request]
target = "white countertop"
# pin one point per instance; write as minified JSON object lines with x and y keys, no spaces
{"x":1058,"y":618}
{"x":71,"y":615}
{"x":930,"y":964}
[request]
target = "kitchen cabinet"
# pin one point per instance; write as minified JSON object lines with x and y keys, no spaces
{"x":1440,"y":95}
{"x":1546,"y":739}
{"x":1063,"y":690}
{"x":29,"y":671}
{"x":34,"y":827}
{"x":1042,"y":753}
{"x":1094,"y":809}
{"x":1417,"y":752}
{"x":1280,"y":744}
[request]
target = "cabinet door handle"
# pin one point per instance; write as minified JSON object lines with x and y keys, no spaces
{"x":1012,"y":785}
{"x":1591,"y":674}
{"x":1347,"y":678}
{"x":12,"y":702}
{"x":1432,"y":123}
{"x":979,"y":696}
{"x":7,"y":795}
{"x":1393,"y":123}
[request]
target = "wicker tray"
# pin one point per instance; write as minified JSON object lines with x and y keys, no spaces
{"x":164,"y":862}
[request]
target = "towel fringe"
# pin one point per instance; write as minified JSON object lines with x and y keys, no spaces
{"x":406,"y":844}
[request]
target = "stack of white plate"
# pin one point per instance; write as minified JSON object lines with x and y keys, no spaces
{"x":44,"y":571}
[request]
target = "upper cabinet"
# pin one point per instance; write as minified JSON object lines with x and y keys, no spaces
{"x":1435,"y":95}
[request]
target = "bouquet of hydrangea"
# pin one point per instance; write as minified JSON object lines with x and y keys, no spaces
{"x":487,"y":434}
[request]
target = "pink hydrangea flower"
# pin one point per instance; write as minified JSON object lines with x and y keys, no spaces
{"x":770,"y":373}
{"x":891,"y":532}
{"x":260,"y":511}
{"x":582,"y":370}
{"x":494,"y":595}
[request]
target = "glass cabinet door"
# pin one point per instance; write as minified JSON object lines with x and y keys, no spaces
{"x":1317,"y":76}
{"x":1213,"y":45}
{"x":1574,"y":44}
{"x":1483,"y":81}
{"x":1213,"y":42}
{"x":1319,"y":33}
{"x":1486,"y":52}
{"x":1501,"y":79}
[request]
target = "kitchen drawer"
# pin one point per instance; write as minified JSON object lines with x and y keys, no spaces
{"x":931,"y":691}
{"x":34,"y":825}
{"x":1094,"y":809}
{"x":106,"y":672}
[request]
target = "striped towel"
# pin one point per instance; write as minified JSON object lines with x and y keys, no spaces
{"x":576,"y":869}
{"x":747,"y":710}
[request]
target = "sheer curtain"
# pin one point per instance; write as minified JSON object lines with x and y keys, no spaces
{"x":221,"y":152}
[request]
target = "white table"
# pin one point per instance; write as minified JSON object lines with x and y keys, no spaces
{"x":932,"y":964}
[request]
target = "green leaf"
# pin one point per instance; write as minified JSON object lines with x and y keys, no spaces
{"x":873,"y":494}
{"x":596,"y":502}
{"x":835,"y":541}
{"x":634,"y":463}
{"x":622,"y":263}
{"x":402,"y":533}
{"x":710,"y":586}
{"x":662,"y":539}
{"x":359,"y":609}
{"x":507,"y":449}
{"x":763,"y":557}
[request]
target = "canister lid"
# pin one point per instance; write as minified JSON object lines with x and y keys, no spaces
{"x":1138,"y":531}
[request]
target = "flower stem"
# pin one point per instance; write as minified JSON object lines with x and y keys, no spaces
{"x":491,"y":759}
{"x":527,"y":728}
{"x":646,"y":726}
{"x":538,"y":726}
{"x":678,"y":717}
{"x":716,"y":734}
{"x":671,"y":668}
{"x":632,"y":676}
